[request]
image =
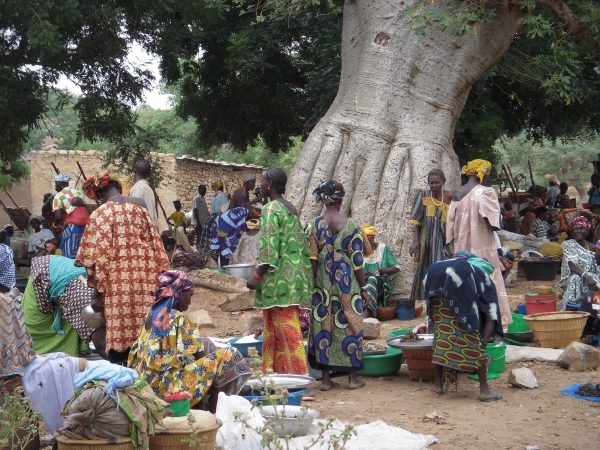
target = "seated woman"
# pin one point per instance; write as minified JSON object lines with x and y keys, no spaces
{"x":579,"y":274}
{"x":462,"y":301}
{"x":379,"y":265}
{"x":171,"y":356}
{"x":58,"y":290}
{"x":540,"y":227}
{"x":228,"y":229}
{"x":39,"y":237}
{"x":528,"y":214}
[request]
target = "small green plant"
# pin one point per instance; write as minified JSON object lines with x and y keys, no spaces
{"x":19,"y":424}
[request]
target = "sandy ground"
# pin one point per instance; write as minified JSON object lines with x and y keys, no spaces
{"x":541,"y":417}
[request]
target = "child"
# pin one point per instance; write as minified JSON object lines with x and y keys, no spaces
{"x":52,"y":247}
{"x":178,"y":217}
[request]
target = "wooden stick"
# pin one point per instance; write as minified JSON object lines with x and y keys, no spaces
{"x":13,"y":200}
{"x":55,"y":168}
{"x":510,"y":175}
{"x":85,"y":178}
{"x":532,"y":181}
{"x":511,"y":183}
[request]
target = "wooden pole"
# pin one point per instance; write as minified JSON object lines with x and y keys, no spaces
{"x":13,"y":200}
{"x":84,"y":177}
{"x":532,"y":181}
{"x":511,"y":182}
{"x":510,"y":175}
{"x":55,"y":168}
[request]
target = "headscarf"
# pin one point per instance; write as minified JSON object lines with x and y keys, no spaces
{"x":40,"y":219}
{"x":171,"y":284}
{"x":96,"y":183}
{"x":478,"y":167}
{"x":329,"y":192}
{"x":217,"y":186}
{"x":580,"y":221}
{"x":474,"y":260}
{"x":369,"y":230}
{"x":62,"y":178}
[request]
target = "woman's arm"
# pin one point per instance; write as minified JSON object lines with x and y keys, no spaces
{"x":486,"y":335}
{"x":575,"y":269}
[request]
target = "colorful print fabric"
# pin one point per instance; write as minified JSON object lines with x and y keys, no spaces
{"x":283,"y":343}
{"x":17,"y":349}
{"x":336,"y":336}
{"x":169,"y":365}
{"x":63,"y":199}
{"x":124,"y":254}
{"x":284,"y":247}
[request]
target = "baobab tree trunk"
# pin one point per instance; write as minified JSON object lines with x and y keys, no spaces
{"x":393,"y":119}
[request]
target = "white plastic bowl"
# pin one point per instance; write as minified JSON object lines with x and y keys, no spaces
{"x":292,"y":421}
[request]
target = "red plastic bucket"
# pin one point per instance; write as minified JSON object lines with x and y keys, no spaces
{"x":540,"y":303}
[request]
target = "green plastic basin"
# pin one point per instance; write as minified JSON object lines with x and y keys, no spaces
{"x":401,"y":332}
{"x":379,"y":365}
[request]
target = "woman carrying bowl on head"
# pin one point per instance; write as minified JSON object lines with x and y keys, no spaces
{"x":579,"y":273}
{"x":429,"y":215}
{"x":282,"y":279}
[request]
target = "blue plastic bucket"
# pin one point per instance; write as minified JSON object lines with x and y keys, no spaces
{"x":405,"y":308}
{"x":522,"y":309}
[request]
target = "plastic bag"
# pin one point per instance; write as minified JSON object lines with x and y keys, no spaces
{"x":234,"y":435}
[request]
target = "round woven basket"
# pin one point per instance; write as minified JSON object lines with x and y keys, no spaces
{"x":65,"y":443}
{"x":171,"y":440}
{"x":419,"y":363}
{"x":557,"y":329}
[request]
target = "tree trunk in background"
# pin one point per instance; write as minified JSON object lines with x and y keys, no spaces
{"x":393,"y":119}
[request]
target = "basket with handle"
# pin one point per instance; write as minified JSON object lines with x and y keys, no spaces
{"x":557,"y":329}
{"x":172,"y":439}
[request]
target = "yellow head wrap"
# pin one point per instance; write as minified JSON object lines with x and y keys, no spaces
{"x":369,"y":230}
{"x":478,"y":167}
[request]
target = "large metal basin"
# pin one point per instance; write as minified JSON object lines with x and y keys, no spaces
{"x":244,"y":271}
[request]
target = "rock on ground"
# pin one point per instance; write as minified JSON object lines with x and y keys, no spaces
{"x":523,"y":378}
{"x":251,"y":321}
{"x":201,"y":318}
{"x":371,"y":328}
{"x":238,"y":302}
{"x":579,"y":357}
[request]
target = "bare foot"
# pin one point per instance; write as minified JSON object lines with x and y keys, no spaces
{"x":327,"y":386}
{"x":438,"y":390}
{"x":489,"y":396}
{"x":356,"y":384}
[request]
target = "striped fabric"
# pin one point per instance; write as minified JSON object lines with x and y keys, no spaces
{"x":15,"y":341}
{"x":7,"y":267}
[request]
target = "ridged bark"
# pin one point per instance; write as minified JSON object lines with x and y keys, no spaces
{"x":393,"y":118}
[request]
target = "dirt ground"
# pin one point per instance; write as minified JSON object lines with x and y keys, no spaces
{"x":541,"y":417}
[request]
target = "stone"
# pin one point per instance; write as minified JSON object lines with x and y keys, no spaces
{"x":238,"y":302}
{"x":371,"y":328}
{"x":579,"y":357}
{"x":522,"y":378}
{"x":515,"y":353}
{"x":201,"y":318}
{"x":250,"y":321}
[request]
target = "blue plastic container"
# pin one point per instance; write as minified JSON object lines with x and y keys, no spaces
{"x":294,"y":398}
{"x":243,"y":348}
{"x":405,"y":308}
{"x":522,"y":309}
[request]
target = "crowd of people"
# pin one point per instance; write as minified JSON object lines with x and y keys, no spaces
{"x":321,"y":278}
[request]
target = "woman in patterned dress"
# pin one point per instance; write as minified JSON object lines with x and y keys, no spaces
{"x":52,"y":303}
{"x":282,"y":279}
{"x":462,"y":302}
{"x":429,"y":215}
{"x":171,"y":356}
{"x":579,"y":274}
{"x":123,"y":255}
{"x":336,"y":335}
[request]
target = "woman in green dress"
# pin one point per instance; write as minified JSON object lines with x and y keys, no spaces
{"x":429,"y":215}
{"x":379,"y":266}
{"x":282,"y":279}
{"x":336,"y":333}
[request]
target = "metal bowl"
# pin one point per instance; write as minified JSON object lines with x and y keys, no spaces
{"x":244,"y":271}
{"x":92,"y":318}
{"x":292,"y":421}
{"x":426,"y":342}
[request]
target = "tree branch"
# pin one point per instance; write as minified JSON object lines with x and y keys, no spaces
{"x":564,"y":12}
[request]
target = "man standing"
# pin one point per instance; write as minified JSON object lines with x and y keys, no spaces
{"x":553,"y":191}
{"x":199,"y":212}
{"x":141,"y":188}
{"x":240,"y":197}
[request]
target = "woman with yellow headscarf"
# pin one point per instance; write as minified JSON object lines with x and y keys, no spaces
{"x":473,"y":217}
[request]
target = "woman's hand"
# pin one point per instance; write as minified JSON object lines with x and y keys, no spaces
{"x":365,"y":299}
{"x":251,"y":283}
{"x":257,"y":332}
{"x":413,"y":250}
{"x":590,"y":282}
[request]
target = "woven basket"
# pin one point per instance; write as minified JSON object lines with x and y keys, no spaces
{"x":171,"y":440}
{"x":64,"y":443}
{"x":419,"y":363}
{"x":557,"y":329}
